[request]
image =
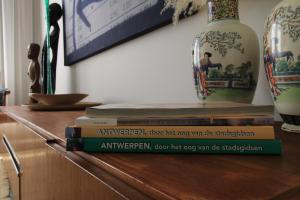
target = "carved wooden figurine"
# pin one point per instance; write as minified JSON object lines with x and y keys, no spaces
{"x":34,"y":69}
{"x":55,"y":13}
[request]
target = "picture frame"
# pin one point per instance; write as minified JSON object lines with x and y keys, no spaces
{"x":93,"y":26}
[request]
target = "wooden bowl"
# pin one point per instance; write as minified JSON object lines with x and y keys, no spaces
{"x":58,"y":99}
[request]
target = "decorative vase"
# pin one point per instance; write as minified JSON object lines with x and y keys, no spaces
{"x":282,"y":61}
{"x":225,"y":56}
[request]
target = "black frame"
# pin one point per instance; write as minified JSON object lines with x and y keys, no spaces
{"x":136,"y":26}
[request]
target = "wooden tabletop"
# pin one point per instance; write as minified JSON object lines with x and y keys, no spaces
{"x":175,"y":176}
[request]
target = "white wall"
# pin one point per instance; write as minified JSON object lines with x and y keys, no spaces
{"x":155,"y":67}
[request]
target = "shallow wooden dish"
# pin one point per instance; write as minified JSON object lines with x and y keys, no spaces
{"x":76,"y":106}
{"x":58,"y":99}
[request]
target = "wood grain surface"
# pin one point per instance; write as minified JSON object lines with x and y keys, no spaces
{"x":178,"y":176}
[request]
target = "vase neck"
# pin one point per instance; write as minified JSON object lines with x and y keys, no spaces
{"x":222,"y":10}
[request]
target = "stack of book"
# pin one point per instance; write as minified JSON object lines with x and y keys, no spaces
{"x":176,"y":128}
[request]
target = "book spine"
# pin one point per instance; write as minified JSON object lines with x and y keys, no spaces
{"x":96,"y":121}
{"x":242,"y":121}
{"x":204,"y":121}
{"x":74,"y":144}
{"x":145,"y":122}
{"x":128,"y":145}
{"x":182,"y":132}
{"x":195,"y":110}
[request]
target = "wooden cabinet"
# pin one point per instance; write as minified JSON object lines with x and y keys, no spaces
{"x":9,"y":158}
{"x":45,"y":170}
{"x":69,"y":180}
{"x":31,"y":151}
{"x":29,"y":156}
{"x":35,"y":145}
{"x":12,"y":166}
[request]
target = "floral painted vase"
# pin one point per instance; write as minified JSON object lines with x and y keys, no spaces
{"x":225,"y":56}
{"x":282,"y":60}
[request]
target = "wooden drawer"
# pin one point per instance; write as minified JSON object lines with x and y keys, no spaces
{"x":30,"y":150}
{"x":12,"y":167}
{"x":49,"y":172}
{"x":70,"y":181}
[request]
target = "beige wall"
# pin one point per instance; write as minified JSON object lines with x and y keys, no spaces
{"x":155,"y":67}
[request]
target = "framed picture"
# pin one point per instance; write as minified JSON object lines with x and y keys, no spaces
{"x":92,"y":26}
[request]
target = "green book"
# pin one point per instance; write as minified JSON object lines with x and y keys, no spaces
{"x":158,"y":145}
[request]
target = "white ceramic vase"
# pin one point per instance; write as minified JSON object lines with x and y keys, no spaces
{"x":225,"y":56}
{"x":282,"y":60}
